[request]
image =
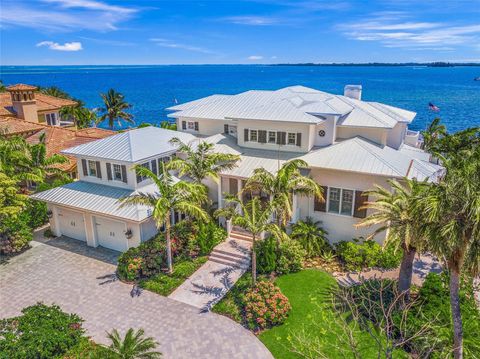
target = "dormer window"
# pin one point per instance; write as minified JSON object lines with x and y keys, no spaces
{"x":92,"y":168}
{"x":253,"y":135}
{"x":51,"y":119}
{"x":117,"y":172}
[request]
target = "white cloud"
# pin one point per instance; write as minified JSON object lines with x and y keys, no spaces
{"x":64,"y":15}
{"x":175,"y":45}
{"x":255,"y":57}
{"x":395,"y":30}
{"x":252,"y":20}
{"x":68,"y":46}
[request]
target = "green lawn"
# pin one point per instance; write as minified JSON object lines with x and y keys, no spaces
{"x":164,"y":284}
{"x":311,"y":314}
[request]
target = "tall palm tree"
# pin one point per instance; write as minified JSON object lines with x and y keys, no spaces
{"x":133,"y":346}
{"x":452,"y":212}
{"x":254,"y":216}
{"x":282,"y":185}
{"x":200,"y":161}
{"x":170,"y":195}
{"x":311,"y":236}
{"x":115,"y":108}
{"x":396,"y":213}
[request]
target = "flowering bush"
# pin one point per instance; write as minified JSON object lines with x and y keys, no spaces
{"x":265,"y":306}
{"x":133,"y":268}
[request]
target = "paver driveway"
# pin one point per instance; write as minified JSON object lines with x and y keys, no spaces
{"x":74,"y":281}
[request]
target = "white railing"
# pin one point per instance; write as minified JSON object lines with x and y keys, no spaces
{"x":412,"y":138}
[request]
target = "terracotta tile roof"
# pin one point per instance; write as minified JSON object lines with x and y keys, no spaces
{"x":20,"y":87}
{"x":44,"y":103}
{"x":58,"y":139}
{"x":14,"y":126}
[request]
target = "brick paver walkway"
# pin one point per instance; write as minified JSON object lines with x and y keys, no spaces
{"x":70,"y":275}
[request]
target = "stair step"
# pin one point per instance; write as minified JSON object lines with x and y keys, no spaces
{"x":245,"y":237}
{"x":236,"y":255}
{"x":231,"y":264}
{"x":228,"y":258}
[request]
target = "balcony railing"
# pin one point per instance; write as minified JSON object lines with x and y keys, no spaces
{"x":412,"y":138}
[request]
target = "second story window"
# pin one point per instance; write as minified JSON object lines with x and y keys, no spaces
{"x":272,"y":137}
{"x":253,"y":135}
{"x":142,"y":178}
{"x":92,"y":168}
{"x":117,"y":172}
{"x":51,"y":119}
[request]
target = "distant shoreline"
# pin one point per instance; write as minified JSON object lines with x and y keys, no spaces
{"x":306,"y":64}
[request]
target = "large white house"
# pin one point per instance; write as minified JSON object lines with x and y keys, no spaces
{"x":348,"y":144}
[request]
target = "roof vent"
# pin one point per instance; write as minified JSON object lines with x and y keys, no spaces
{"x":353,"y":91}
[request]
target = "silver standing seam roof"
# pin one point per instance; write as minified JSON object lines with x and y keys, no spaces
{"x":293,"y":104}
{"x":131,"y":146}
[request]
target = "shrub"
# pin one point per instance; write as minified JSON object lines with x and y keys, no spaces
{"x":35,"y":213}
{"x":265,"y":306}
{"x":143,"y":261}
{"x":266,"y":251}
{"x":15,"y":234}
{"x":357,"y":255}
{"x":184,"y":234}
{"x":40,"y":332}
{"x":311,"y":236}
{"x":208,"y":236}
{"x":48,"y":233}
{"x":291,"y":257}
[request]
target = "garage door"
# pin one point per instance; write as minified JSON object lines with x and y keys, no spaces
{"x":111,"y":234}
{"x":72,"y":224}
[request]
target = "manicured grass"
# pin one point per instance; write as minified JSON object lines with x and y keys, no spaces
{"x":311,"y":314}
{"x":165,"y":284}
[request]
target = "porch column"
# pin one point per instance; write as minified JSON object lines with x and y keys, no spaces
{"x":240,"y":194}
{"x":219,"y":188}
{"x":54,"y":221}
{"x":294,"y":208}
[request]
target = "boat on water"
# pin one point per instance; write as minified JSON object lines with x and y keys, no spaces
{"x":476,"y":78}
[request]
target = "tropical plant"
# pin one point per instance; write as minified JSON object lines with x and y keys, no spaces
{"x":201,"y":162}
{"x":170,"y":196}
{"x":253,"y":216}
{"x":281,"y":187}
{"x":168,"y":125}
{"x":2,"y":87}
{"x":54,"y":91}
{"x":311,"y":236}
{"x":396,"y":213}
{"x":115,"y":108}
{"x":433,"y":132}
{"x":133,"y":346}
{"x":80,"y":115}
{"x":451,"y":209}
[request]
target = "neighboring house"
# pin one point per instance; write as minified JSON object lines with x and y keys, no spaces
{"x":350,"y":145}
{"x":27,"y":113}
{"x":26,"y":103}
{"x":89,"y":209}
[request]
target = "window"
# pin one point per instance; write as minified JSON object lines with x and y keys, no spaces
{"x":253,"y":135}
{"x":92,"y":168}
{"x":51,"y":119}
{"x":117,"y":172}
{"x":162,"y":160}
{"x":191,"y":125}
{"x":340,"y":201}
{"x":292,"y":137}
{"x":142,"y":178}
{"x":272,"y":137}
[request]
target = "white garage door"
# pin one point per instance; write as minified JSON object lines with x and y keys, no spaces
{"x":72,"y":224}
{"x":111,"y":234}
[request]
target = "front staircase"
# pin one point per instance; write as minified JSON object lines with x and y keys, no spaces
{"x":238,"y":233}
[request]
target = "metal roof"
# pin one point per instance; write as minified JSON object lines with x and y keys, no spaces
{"x":96,"y":198}
{"x":293,"y":104}
{"x":361,"y":155}
{"x":131,"y":146}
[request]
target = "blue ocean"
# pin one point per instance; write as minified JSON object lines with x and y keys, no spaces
{"x":150,"y":89}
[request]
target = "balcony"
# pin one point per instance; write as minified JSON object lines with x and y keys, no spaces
{"x":413,"y":138}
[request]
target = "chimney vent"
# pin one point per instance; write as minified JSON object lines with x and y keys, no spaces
{"x":353,"y":91}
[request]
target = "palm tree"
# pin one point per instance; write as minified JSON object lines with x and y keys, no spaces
{"x":80,"y":115}
{"x":396,"y":213}
{"x":254,"y":216}
{"x":452,"y":212}
{"x":311,"y":236}
{"x":133,"y":346}
{"x":168,"y":125}
{"x":433,"y":132}
{"x":281,"y":186}
{"x":201,"y":161}
{"x":115,"y":108}
{"x":170,"y":195}
{"x":54,"y":91}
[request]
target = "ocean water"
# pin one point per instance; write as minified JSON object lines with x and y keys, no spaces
{"x":150,"y":89}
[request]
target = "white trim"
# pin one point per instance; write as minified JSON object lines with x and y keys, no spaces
{"x":339,"y":213}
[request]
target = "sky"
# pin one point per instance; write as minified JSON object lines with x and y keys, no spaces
{"x":111,"y":32}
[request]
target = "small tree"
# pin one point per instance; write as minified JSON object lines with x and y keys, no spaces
{"x":201,"y":161}
{"x":133,"y":346}
{"x":170,"y":195}
{"x":253,"y":217}
{"x":311,"y":236}
{"x":115,"y":108}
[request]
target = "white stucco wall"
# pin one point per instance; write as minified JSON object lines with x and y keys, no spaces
{"x":148,"y":229}
{"x":206,"y":127}
{"x":339,"y":227}
{"x":378,"y":135}
{"x":131,"y":177}
{"x":396,"y":135}
{"x":329,"y":126}
{"x":302,"y":128}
